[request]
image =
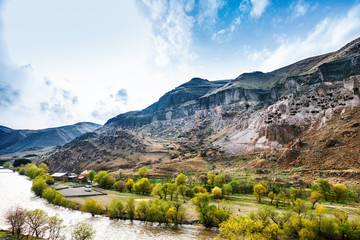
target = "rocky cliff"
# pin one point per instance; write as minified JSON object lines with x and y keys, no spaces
{"x":204,"y":119}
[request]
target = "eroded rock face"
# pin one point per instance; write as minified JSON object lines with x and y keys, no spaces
{"x":255,"y":110}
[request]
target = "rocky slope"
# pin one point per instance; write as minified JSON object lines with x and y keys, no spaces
{"x":12,"y":141}
{"x":201,"y":122}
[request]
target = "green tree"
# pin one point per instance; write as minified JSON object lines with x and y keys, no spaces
{"x":293,"y":194}
{"x":55,"y":227}
{"x":324,"y":187}
{"x":93,"y":207}
{"x":206,"y":211}
{"x":141,"y":209}
{"x":219,"y":180}
{"x":83,"y":231}
{"x":143,"y":186}
{"x":235,"y":186}
{"x":314,"y":198}
{"x":217,"y":193}
{"x":227,"y":189}
{"x":44,"y":167}
{"x":143,"y":171}
{"x":175,"y":215}
{"x":271,"y":195}
{"x":340,"y":191}
{"x":180,"y":180}
{"x":16,"y":218}
{"x":130,"y":208}
{"x":39,"y":185}
{"x":37,"y":221}
{"x":49,"y":180}
{"x":116,"y":209}
{"x":120,"y":186}
{"x":99,"y":176}
{"x":107,"y":181}
{"x":7,"y":165}
{"x":280,"y":197}
{"x":32,"y":171}
{"x":49,"y":194}
{"x":211,"y":179}
{"x":299,"y":207}
{"x":156,"y":191}
{"x":199,"y":189}
{"x":130,"y":184}
{"x":171,"y":190}
{"x":91,"y":175}
{"x":156,"y":212}
{"x":182,"y":190}
{"x":259,"y":192}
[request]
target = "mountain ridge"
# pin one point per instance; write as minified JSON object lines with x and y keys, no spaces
{"x":17,"y":140}
{"x":201,"y":123}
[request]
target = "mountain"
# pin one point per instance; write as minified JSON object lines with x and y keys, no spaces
{"x":283,"y":115}
{"x":12,"y":141}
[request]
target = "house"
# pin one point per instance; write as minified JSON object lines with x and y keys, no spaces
{"x":60,"y":176}
{"x":83,"y":176}
{"x":72,"y":177}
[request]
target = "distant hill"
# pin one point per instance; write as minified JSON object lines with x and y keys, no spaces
{"x":12,"y":141}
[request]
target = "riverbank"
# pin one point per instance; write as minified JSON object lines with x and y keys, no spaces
{"x":6,"y":235}
{"x":15,"y":191}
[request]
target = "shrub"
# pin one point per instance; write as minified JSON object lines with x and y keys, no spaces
{"x":259,"y":192}
{"x":39,"y":185}
{"x":340,"y":191}
{"x":143,"y":186}
{"x":82,"y":231}
{"x":130,"y":208}
{"x":116,"y":209}
{"x":120,"y":186}
{"x":141,"y":209}
{"x":216,"y":193}
{"x":180,"y":180}
{"x":93,"y":207}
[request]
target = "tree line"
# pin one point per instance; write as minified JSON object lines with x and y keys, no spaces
{"x":36,"y":223}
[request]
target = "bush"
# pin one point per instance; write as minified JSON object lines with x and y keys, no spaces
{"x":106,"y":181}
{"x":82,"y":231}
{"x":116,"y":209}
{"x":130,"y":208}
{"x":19,"y":162}
{"x":120,"y":186}
{"x":141,"y":209}
{"x":39,"y":185}
{"x":216,"y":193}
{"x":143,"y":186}
{"x":156,"y":212}
{"x":259,"y":192}
{"x":49,"y":194}
{"x":93,"y":207}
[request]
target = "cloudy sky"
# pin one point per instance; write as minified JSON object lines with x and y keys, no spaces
{"x":65,"y":61}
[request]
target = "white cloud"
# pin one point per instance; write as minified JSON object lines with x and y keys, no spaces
{"x":172,"y":31}
{"x":328,"y":35}
{"x":208,"y":11}
{"x":299,"y":8}
{"x":258,"y":7}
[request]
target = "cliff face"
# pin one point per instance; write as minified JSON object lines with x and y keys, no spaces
{"x":254,"y":111}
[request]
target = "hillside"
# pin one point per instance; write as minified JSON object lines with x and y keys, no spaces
{"x":12,"y":141}
{"x":202,"y":124}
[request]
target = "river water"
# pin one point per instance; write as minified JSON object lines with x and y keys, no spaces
{"x":15,"y":191}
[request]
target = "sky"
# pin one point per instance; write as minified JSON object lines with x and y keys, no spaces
{"x":66,"y":61}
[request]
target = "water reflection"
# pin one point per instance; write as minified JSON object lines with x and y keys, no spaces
{"x":15,"y":191}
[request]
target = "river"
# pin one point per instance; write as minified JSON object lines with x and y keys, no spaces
{"x":15,"y":191}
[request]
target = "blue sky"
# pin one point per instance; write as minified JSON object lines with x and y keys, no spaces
{"x":65,"y":61}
